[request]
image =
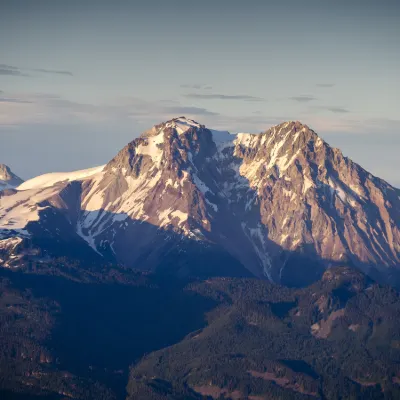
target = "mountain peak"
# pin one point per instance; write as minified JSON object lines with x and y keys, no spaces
{"x":183,"y":119}
{"x":182,"y":124}
{"x":290,"y":128}
{"x":289,"y":137}
{"x":294,"y":124}
{"x":8,"y":179}
{"x":5,"y":171}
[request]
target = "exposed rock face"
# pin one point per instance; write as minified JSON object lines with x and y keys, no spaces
{"x":283,"y":204}
{"x":314,"y":200}
{"x":8,"y":180}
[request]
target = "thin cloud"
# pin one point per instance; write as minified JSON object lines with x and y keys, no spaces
{"x":47,"y":108}
{"x":45,"y":96}
{"x":303,"y":99}
{"x":181,"y":110}
{"x":168,"y":101}
{"x":197,"y":86}
{"x":333,"y":109}
{"x":12,"y":70}
{"x":52,"y":71}
{"x":337,"y":110}
{"x":217,"y":96}
{"x":9,"y":67}
{"x":11,"y":100}
{"x":325,"y":85}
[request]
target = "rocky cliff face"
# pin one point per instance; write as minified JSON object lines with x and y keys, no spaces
{"x":282,"y":205}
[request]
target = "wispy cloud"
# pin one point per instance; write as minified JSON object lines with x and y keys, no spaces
{"x":337,"y":110}
{"x":332,"y":109}
{"x":198,"y":86}
{"x":216,"y":96}
{"x":325,"y":85}
{"x":8,"y":67}
{"x":303,"y":99}
{"x":22,"y":109}
{"x":42,"y":108}
{"x":11,"y":100}
{"x":182,"y":110}
{"x":52,"y":71}
{"x":12,"y":70}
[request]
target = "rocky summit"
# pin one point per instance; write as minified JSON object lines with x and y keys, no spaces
{"x":184,"y":199}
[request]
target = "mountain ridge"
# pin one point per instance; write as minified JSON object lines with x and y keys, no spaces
{"x":283,"y":203}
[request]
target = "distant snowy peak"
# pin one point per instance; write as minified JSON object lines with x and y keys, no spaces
{"x":8,"y":180}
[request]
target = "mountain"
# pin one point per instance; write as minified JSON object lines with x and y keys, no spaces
{"x":185,"y":200}
{"x":8,"y":180}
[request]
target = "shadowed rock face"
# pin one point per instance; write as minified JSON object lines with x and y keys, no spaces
{"x":283,"y":203}
{"x":8,"y":179}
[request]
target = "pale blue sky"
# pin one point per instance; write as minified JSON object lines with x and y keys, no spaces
{"x":78,"y":81}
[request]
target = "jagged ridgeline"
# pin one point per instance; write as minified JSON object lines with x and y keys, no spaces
{"x":186,"y":200}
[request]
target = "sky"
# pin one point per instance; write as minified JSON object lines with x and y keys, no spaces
{"x":80,"y":79}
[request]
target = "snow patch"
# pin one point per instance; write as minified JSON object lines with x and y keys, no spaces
{"x":336,"y":188}
{"x":201,"y":185}
{"x":289,"y":193}
{"x":152,"y":147}
{"x":166,"y":216}
{"x":214,"y":206}
{"x":307,"y":184}
{"x":256,"y":235}
{"x":223,"y":139}
{"x":18,"y":210}
{"x":88,"y":238}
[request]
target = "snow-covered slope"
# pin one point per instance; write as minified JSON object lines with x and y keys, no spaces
{"x":51,"y":179}
{"x":283,"y":204}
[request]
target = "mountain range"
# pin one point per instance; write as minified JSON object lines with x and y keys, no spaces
{"x":202,"y":265}
{"x":185,"y":200}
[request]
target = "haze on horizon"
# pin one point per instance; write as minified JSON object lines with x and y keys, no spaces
{"x":78,"y":80}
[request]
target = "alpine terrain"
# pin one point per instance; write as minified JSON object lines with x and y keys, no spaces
{"x":184,"y":200}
